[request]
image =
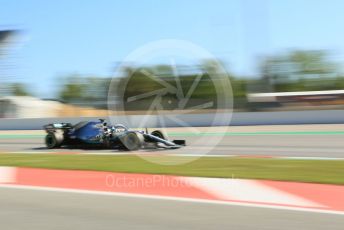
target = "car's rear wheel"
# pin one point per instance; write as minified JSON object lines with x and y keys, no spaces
{"x":54,"y":140}
{"x":132,"y":141}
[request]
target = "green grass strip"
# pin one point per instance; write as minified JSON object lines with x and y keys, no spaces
{"x":315,"y":171}
{"x":21,"y":136}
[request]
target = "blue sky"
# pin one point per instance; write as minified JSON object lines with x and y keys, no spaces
{"x":90,"y":37}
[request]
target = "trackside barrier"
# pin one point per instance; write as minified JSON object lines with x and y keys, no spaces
{"x":239,"y":118}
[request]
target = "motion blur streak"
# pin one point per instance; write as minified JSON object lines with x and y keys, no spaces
{"x":268,"y":62}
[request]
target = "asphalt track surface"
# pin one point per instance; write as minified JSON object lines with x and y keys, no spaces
{"x":35,"y":209}
{"x":285,"y":143}
{"x":32,"y":210}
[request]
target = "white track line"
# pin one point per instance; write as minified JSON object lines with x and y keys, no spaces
{"x":161,"y":153}
{"x":255,"y":156}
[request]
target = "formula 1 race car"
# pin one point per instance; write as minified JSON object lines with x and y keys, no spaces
{"x":97,"y":134}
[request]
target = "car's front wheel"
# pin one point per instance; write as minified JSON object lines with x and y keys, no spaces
{"x":160,"y":133}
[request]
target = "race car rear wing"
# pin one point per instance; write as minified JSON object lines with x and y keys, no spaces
{"x":53,"y":127}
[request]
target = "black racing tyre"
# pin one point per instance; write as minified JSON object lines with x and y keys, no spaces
{"x":54,"y":140}
{"x":132,"y":141}
{"x":160,"y":133}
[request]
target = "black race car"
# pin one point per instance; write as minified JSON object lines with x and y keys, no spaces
{"x":98,"y":134}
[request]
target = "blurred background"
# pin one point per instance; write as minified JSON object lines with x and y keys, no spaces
{"x":57,"y":59}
